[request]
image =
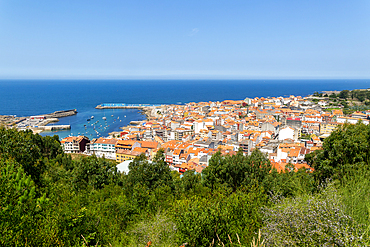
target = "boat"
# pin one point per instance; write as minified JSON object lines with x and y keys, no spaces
{"x":88,"y":119}
{"x":104,"y":118}
{"x":92,"y":117}
{"x":111,"y":115}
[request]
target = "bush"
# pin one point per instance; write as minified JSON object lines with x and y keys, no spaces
{"x":355,"y":195}
{"x":307,"y":220}
{"x":200,"y":221}
{"x":159,"y":230}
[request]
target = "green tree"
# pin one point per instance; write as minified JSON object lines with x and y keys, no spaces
{"x":94,"y":172}
{"x":344,"y":94}
{"x":344,"y":152}
{"x":290,"y":182}
{"x":333,"y":96}
{"x":24,"y":148}
{"x":19,"y":206}
{"x":190,"y":180}
{"x":237,"y":170}
{"x":150,"y":174}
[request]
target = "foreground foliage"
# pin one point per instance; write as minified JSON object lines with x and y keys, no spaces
{"x":318,"y":220}
{"x":48,"y":199}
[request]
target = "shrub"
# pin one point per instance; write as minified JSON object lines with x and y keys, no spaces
{"x":355,"y":195}
{"x":307,"y":220}
{"x":159,"y":230}
{"x":201,"y":221}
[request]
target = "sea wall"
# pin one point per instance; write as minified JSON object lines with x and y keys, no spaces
{"x":122,"y":106}
{"x":59,"y":114}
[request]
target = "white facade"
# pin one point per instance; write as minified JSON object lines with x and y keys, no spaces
{"x":71,"y":147}
{"x":351,"y":120}
{"x":286,"y":133}
{"x":104,"y":147}
{"x":198,"y":126}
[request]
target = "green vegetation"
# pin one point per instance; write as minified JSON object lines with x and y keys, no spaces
{"x":348,"y":101}
{"x":311,"y":220}
{"x":345,"y":153}
{"x":49,"y":199}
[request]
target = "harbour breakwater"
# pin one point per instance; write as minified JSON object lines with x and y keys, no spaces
{"x":123,"y":106}
{"x":146,"y":109}
{"x":59,"y":114}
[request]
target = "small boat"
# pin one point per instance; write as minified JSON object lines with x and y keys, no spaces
{"x":104,"y":118}
{"x":92,"y":117}
{"x":88,"y":119}
{"x":111,"y":115}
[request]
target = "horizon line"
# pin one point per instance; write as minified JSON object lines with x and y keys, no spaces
{"x":185,"y":79}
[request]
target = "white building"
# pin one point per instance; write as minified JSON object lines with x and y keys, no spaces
{"x":104,"y":147}
{"x":198,"y":126}
{"x":351,"y":120}
{"x":75,"y":144}
{"x":288,"y":133}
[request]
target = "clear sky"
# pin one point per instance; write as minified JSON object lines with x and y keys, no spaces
{"x":184,"y":39}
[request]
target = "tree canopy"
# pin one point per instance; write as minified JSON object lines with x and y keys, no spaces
{"x":344,"y":152}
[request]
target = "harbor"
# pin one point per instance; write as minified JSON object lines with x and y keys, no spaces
{"x":95,"y":123}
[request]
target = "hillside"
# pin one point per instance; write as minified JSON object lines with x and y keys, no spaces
{"x":49,"y":199}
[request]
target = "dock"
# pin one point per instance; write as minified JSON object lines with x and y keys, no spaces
{"x":123,"y":106}
{"x":59,"y":114}
{"x":54,"y":127}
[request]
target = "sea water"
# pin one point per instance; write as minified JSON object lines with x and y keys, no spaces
{"x":36,"y":97}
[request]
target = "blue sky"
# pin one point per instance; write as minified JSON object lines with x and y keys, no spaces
{"x":185,"y":39}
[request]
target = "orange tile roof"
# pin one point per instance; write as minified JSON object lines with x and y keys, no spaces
{"x":139,"y":149}
{"x":148,"y":144}
{"x":103,"y":140}
{"x":294,"y":152}
{"x":128,"y":152}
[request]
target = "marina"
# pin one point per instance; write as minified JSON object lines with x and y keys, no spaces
{"x":92,"y":125}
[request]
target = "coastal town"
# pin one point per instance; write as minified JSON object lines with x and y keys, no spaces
{"x":285,"y":129}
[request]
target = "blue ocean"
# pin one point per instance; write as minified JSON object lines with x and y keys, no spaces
{"x":36,"y":97}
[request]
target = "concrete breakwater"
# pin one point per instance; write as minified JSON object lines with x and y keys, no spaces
{"x":137,"y":122}
{"x":54,"y":127}
{"x":59,"y":114}
{"x":123,"y":106}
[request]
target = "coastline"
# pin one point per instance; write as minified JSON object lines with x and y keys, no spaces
{"x":37,"y":123}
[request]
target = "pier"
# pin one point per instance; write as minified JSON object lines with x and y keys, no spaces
{"x":59,"y":114}
{"x":123,"y":106}
{"x":54,"y":127}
